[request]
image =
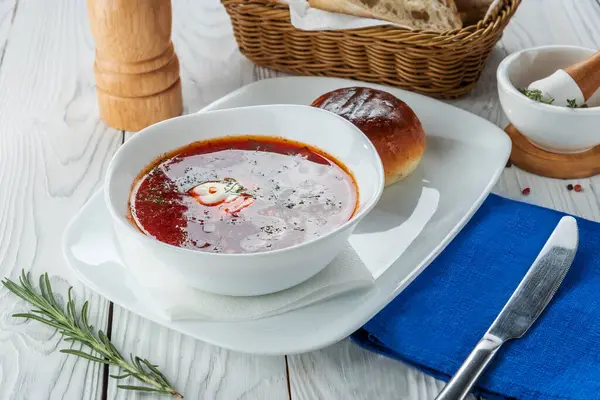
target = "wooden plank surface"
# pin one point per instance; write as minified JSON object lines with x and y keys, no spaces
{"x":53,"y":153}
{"x":211,"y":67}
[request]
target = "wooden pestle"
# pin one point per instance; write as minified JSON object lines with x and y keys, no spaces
{"x":136,"y":68}
{"x":586,"y":74}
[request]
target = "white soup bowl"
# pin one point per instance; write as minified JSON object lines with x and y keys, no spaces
{"x":252,"y":273}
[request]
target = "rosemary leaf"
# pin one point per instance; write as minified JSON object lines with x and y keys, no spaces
{"x":141,"y":388}
{"x":114,"y":351}
{"x":85,"y":326}
{"x":17,"y":290}
{"x":40,"y":319}
{"x":154,"y":369}
{"x":126,"y":375}
{"x":76,"y":329}
{"x":43,"y":288}
{"x":138,"y":364}
{"x":51,"y":297}
{"x":84,"y":355}
{"x":105,"y":340}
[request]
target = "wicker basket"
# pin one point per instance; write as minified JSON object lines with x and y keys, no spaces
{"x":443,"y":65}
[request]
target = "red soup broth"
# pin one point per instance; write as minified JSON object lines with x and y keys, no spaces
{"x":242,"y":194}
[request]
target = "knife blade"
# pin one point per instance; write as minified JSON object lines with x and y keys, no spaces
{"x":531,"y":297}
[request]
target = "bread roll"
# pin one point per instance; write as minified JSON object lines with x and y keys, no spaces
{"x":432,"y":15}
{"x":472,"y":11}
{"x":390,"y":124}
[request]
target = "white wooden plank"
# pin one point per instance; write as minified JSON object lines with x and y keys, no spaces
{"x":7,"y":13}
{"x":198,"y":370}
{"x":211,"y":66}
{"x":53,"y":152}
{"x":347,"y":371}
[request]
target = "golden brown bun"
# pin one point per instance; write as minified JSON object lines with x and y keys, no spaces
{"x":387,"y":121}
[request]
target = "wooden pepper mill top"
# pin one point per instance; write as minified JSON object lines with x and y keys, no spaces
{"x":136,"y":68}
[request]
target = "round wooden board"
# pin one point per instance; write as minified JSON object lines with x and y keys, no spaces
{"x":561,"y":166}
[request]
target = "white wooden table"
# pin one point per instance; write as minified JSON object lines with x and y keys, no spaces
{"x":53,"y":154}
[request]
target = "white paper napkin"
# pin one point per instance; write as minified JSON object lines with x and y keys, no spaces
{"x":176,"y":301}
{"x":311,"y":19}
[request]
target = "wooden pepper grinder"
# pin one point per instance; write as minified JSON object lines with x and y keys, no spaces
{"x":136,"y":68}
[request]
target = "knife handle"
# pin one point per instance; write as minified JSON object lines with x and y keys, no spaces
{"x":461,"y":383}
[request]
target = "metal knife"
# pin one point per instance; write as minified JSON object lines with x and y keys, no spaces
{"x":522,"y":309}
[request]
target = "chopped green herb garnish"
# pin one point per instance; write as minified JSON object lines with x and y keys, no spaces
{"x":232,"y":186}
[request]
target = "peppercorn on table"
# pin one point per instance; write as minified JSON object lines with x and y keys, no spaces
{"x":54,"y":150}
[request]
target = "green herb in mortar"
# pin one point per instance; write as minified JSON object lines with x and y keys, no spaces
{"x":536,"y":94}
{"x":572,"y":103}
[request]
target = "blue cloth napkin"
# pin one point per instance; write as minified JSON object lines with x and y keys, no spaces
{"x":440,"y":317}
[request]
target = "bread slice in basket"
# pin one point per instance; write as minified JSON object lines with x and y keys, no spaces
{"x":433,"y":15}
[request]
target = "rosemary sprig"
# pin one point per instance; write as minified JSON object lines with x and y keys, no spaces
{"x":76,"y":328}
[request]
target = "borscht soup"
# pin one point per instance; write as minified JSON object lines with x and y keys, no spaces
{"x":242,"y":194}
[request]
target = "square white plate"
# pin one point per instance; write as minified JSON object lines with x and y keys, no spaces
{"x":465,"y":157}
